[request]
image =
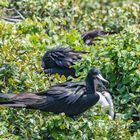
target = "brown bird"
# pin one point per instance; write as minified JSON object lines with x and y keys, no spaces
{"x":89,"y":36}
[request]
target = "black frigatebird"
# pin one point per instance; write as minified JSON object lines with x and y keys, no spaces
{"x":72,"y":98}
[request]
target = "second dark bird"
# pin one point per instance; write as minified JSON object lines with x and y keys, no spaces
{"x":88,"y":37}
{"x":59,"y":60}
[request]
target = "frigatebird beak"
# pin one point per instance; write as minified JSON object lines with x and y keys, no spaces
{"x":100,"y":77}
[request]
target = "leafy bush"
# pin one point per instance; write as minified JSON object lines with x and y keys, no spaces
{"x":51,"y":23}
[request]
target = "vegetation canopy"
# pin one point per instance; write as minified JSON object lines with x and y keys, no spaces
{"x":29,"y":28}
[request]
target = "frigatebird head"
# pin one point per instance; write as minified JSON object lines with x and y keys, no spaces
{"x":98,"y":77}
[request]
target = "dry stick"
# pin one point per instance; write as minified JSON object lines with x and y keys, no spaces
{"x":11,"y":20}
{"x":13,"y":17}
{"x":19,"y":14}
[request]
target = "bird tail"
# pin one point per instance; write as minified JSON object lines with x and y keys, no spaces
{"x":26,"y":100}
{"x":9,"y":103}
{"x":7,"y":96}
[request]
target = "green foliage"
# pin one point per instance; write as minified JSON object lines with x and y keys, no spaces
{"x":51,"y":23}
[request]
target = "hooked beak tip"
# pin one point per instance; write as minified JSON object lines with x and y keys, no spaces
{"x":99,"y":76}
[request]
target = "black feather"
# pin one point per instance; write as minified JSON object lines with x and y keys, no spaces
{"x":59,"y":60}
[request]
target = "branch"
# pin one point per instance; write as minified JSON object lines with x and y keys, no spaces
{"x":11,"y":20}
{"x":22,"y":17}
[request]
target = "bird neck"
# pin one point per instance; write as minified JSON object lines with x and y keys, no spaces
{"x":90,"y":84}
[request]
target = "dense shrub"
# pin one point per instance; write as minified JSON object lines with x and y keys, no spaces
{"x":51,"y":23}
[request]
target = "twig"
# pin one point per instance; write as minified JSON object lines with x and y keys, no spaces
{"x":11,"y":20}
{"x":19,"y":14}
{"x":22,"y":17}
{"x":14,"y":17}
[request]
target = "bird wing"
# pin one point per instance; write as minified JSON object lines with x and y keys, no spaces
{"x":70,"y":92}
{"x":61,"y":57}
{"x":65,"y":94}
